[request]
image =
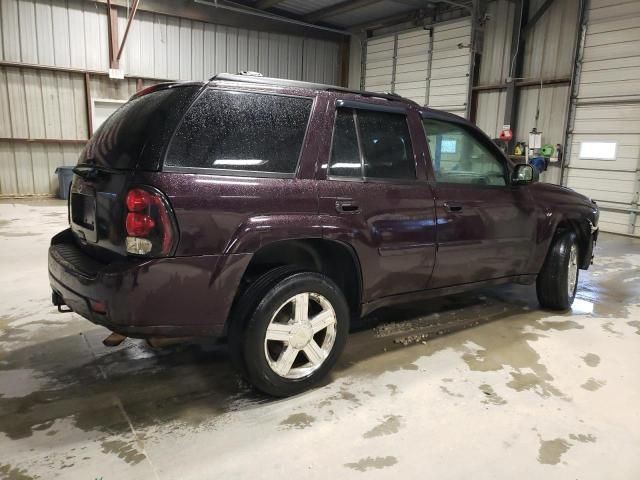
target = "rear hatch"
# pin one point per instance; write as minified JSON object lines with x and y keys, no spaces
{"x":131,"y":141}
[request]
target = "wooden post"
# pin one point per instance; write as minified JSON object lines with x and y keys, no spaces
{"x":112,"y":12}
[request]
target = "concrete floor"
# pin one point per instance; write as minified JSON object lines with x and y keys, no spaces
{"x":518,"y":392}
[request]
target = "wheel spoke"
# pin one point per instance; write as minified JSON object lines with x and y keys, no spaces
{"x":278,"y":331}
{"x":301,"y":303}
{"x":314,"y":353}
{"x":285,"y":360}
{"x":322,"y":320}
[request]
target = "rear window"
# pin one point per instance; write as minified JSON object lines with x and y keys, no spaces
{"x":137,"y":132}
{"x":242,"y":131}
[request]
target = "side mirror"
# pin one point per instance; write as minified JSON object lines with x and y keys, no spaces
{"x":524,"y":174}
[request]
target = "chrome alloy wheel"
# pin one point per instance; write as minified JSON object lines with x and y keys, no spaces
{"x":300,"y":335}
{"x":572,"y":273}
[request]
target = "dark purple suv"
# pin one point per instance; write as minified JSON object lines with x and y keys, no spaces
{"x":270,"y":212}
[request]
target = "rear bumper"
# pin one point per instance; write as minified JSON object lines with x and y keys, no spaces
{"x":180,"y":296}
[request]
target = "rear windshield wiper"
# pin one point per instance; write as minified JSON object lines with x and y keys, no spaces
{"x":91,"y":171}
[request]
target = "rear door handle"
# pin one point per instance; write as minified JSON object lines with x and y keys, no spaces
{"x":453,"y":207}
{"x":347,"y":206}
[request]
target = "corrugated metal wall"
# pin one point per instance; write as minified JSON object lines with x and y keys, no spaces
{"x":607,"y":109}
{"x":37,"y":104}
{"x":548,"y":54}
{"x":549,"y":50}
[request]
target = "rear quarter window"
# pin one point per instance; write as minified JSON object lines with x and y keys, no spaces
{"x":227,"y":130}
{"x":137,"y":133}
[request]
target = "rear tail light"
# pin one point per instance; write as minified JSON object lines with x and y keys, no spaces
{"x":149,"y":223}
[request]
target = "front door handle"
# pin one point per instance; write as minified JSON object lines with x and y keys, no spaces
{"x":347,"y":206}
{"x":453,"y":207}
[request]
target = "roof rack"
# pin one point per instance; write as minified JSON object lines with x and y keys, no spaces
{"x":256,"y":78}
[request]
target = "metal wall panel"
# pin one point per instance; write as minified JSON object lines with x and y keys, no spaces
{"x":449,"y":84}
{"x":551,"y":103}
{"x":41,"y":104}
{"x":549,"y":46}
{"x":496,"y":52}
{"x":490,"y":112}
{"x":70,"y":33}
{"x":166,"y":47}
{"x":548,"y":54}
{"x":29,"y":169}
{"x":607,"y":109}
{"x":73,"y":33}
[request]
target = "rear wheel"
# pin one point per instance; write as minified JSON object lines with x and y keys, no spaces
{"x":557,"y":282}
{"x":295,"y":334}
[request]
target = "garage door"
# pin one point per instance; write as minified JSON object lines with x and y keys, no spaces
{"x":450,"y":67}
{"x":605,"y":144}
{"x":380,"y":61}
{"x":428,"y":66}
{"x":399,"y":63}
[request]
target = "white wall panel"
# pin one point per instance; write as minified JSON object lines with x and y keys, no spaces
{"x":450,"y":66}
{"x":496,"y":54}
{"x":379,"y":64}
{"x":548,"y":53}
{"x":170,"y":48}
{"x":29,"y":169}
{"x":399,"y":63}
{"x":412,"y":65}
{"x":59,"y":33}
{"x":43,"y":104}
{"x":73,"y":33}
{"x":40,"y":104}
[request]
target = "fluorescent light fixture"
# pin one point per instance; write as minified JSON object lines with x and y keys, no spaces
{"x":598,"y":150}
{"x":239,"y":162}
{"x":345,"y":165}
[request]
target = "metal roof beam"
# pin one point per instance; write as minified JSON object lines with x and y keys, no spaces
{"x":265,"y":4}
{"x":457,"y":4}
{"x":337,"y":9}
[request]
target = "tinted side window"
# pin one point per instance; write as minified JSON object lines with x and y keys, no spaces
{"x":386,"y":145}
{"x":345,"y":154}
{"x":242,"y":131}
{"x":459,"y":158}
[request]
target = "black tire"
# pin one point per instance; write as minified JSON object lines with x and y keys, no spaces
{"x":552,"y":284}
{"x":258,"y":369}
{"x":244,"y":306}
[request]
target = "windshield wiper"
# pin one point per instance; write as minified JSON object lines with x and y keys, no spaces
{"x":91,"y":171}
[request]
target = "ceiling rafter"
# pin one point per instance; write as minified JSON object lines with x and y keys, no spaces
{"x":337,"y":9}
{"x":265,"y":4}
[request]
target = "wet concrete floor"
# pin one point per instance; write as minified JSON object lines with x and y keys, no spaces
{"x":481,"y":385}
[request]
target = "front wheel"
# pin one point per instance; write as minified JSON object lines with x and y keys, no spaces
{"x":558,"y":280}
{"x":295,"y":334}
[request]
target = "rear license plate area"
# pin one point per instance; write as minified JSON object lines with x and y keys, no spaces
{"x":83,"y":215}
